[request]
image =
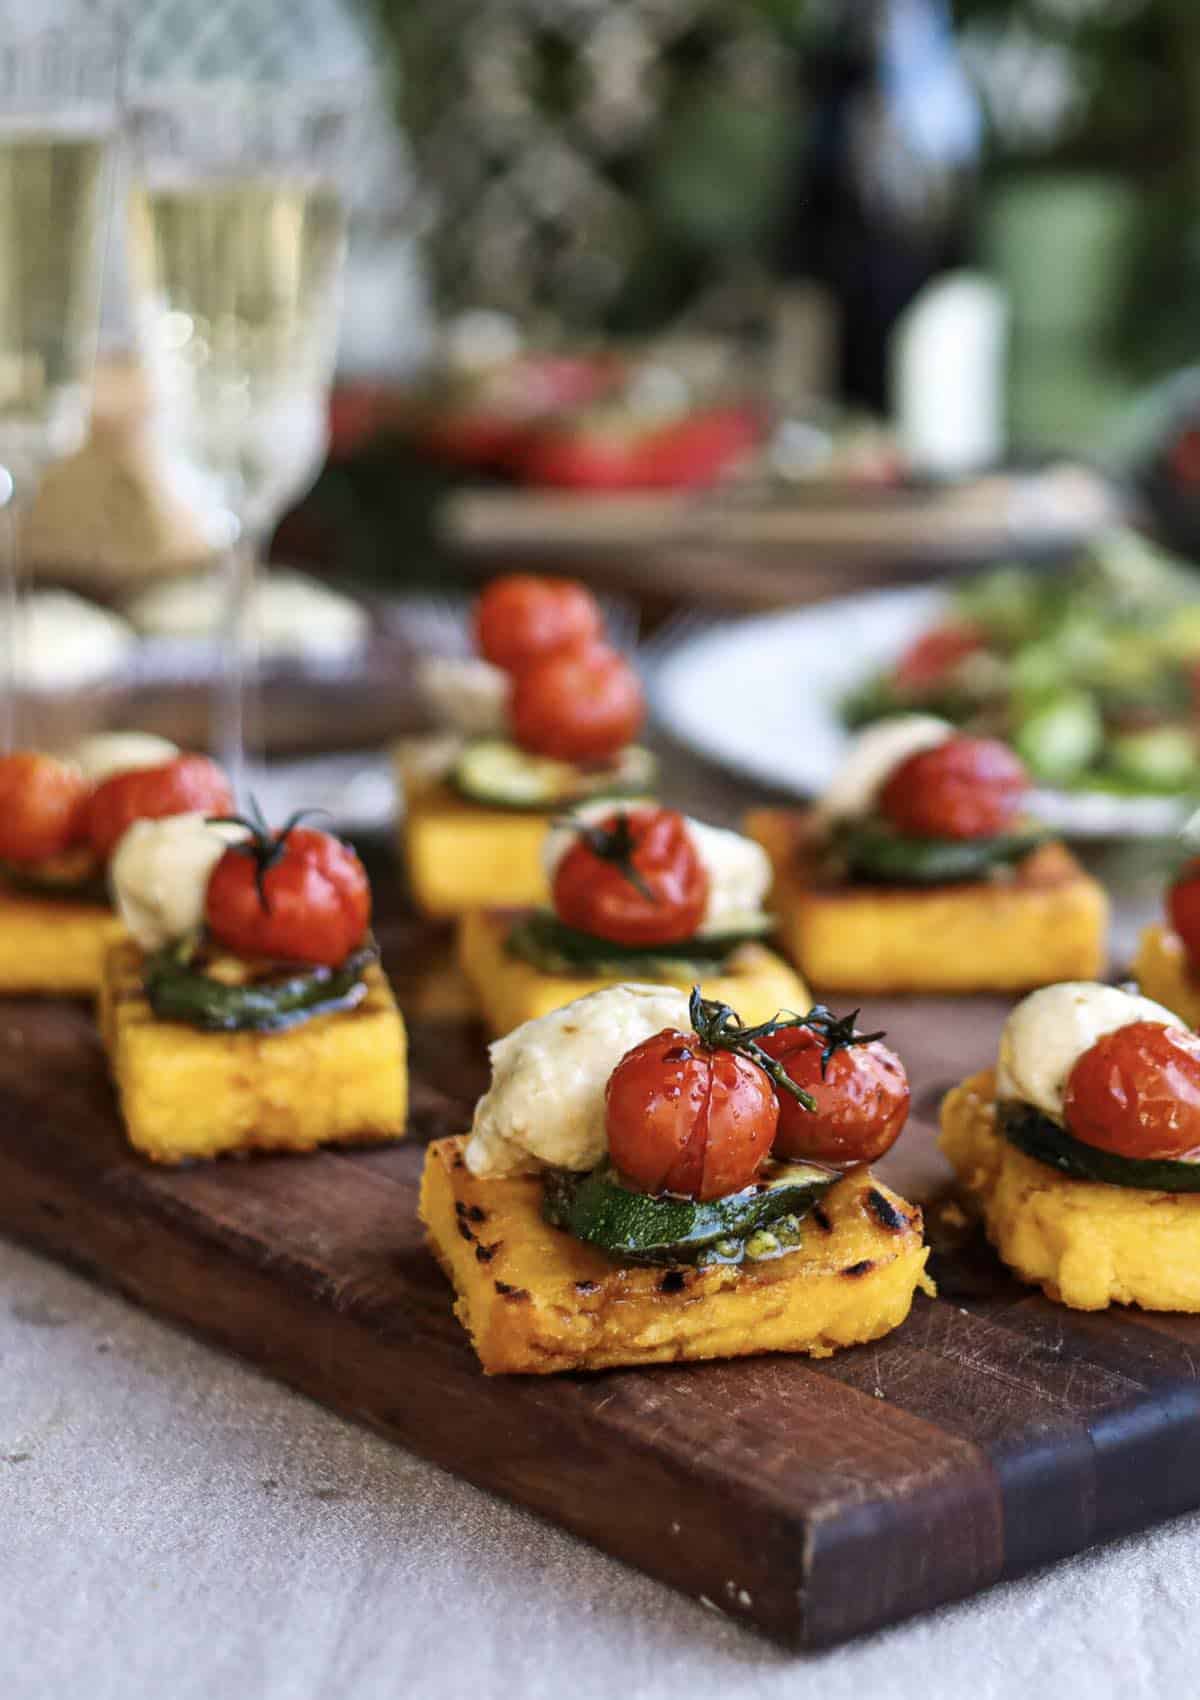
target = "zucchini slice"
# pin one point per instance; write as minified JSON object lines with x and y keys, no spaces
{"x":177,"y":990}
{"x":498,"y":773}
{"x":873,"y":851}
{"x":549,"y":944}
{"x":759,"y":1222}
{"x":1038,"y":1137}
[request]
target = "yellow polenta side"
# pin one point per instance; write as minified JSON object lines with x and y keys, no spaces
{"x":339,"y":1078}
{"x":53,"y":944}
{"x":755,"y":982}
{"x":535,"y":1301}
{"x":1161,"y":970}
{"x":461,"y":855}
{"x":1085,"y":1244}
{"x":1047,"y":923}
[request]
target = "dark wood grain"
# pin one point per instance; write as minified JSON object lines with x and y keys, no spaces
{"x":994,"y":1432}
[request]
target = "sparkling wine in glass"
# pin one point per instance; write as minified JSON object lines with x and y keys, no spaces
{"x":237,"y":232}
{"x":58,"y":94}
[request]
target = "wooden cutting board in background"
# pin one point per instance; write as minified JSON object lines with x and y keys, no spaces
{"x":992,"y":1433}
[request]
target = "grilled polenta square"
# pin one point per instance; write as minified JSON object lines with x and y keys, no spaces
{"x":509,"y":990}
{"x":1162,"y":971}
{"x":1047,"y":922}
{"x":535,"y":1300}
{"x":1086,"y":1244}
{"x":462,"y":855}
{"x":339,"y":1078}
{"x":54,"y":945}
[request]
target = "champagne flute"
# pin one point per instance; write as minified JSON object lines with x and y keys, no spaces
{"x":58,"y":103}
{"x":237,"y":238}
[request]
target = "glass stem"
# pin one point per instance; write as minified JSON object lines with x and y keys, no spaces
{"x":234,"y":717}
{"x":13,"y":613}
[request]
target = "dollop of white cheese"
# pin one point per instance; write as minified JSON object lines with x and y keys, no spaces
{"x":159,"y":875}
{"x":63,"y":642}
{"x":545,"y":1106}
{"x":288,"y":616}
{"x":739,"y":870}
{"x":873,"y":757}
{"x":1049,"y":1031}
{"x":106,"y":753}
{"x":465,"y":694}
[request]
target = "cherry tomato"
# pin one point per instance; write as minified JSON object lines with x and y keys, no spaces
{"x":1183,"y":909}
{"x":521,"y":617}
{"x":581,"y":705}
{"x":682,"y":1118}
{"x":664,"y":900}
{"x":176,"y":787}
{"x":964,"y":788}
{"x":314,"y":904}
{"x":932,"y":656}
{"x":622,"y":453}
{"x":862,"y":1099}
{"x":41,"y":806}
{"x":1137,"y":1092}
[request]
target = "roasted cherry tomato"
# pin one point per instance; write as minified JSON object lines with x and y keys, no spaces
{"x":635,"y":877}
{"x":862,"y":1098}
{"x":520,"y":618}
{"x":1136,"y":1092}
{"x":964,"y":788}
{"x":176,"y":787}
{"x":686,"y":1119}
{"x":300,"y":897}
{"x":581,"y":705}
{"x":1183,"y":909}
{"x":934,"y":654}
{"x":41,"y":806}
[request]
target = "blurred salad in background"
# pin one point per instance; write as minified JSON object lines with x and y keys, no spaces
{"x":1091,"y":669}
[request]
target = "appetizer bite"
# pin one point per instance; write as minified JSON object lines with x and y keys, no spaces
{"x":1082,"y":1148}
{"x":648,"y":1180}
{"x":59,"y":823}
{"x":640,"y":891}
{"x":920,"y":871}
{"x":248,"y":1010}
{"x":1167,"y":965}
{"x":545,"y":718}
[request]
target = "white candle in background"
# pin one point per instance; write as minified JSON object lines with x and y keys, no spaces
{"x":948,"y":364}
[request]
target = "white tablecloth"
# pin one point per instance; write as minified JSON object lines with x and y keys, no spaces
{"x":175,"y":1527}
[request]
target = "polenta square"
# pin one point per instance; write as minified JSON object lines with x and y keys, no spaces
{"x":1045,"y":921}
{"x":54,"y":945}
{"x":462,"y":855}
{"x":1085,"y":1243}
{"x":535,"y":1300}
{"x":510,"y":990}
{"x":339,"y":1078}
{"x":1162,"y":971}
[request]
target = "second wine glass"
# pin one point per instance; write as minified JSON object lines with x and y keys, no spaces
{"x":237,"y":237}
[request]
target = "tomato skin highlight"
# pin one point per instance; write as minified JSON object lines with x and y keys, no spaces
{"x":318,"y":901}
{"x":521,"y":617}
{"x":596,"y":896}
{"x":964,"y":788}
{"x":862,"y":1099}
{"x":1136,"y":1092}
{"x":581,"y":705}
{"x":684,"y":1119}
{"x":176,"y":787}
{"x":1183,"y":910}
{"x":42,"y":802}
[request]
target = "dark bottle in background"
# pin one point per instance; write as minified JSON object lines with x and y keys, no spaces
{"x":880,"y":199}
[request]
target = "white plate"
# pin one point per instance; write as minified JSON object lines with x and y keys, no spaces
{"x":761,"y":696}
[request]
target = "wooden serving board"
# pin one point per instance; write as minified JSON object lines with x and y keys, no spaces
{"x":993,"y":1433}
